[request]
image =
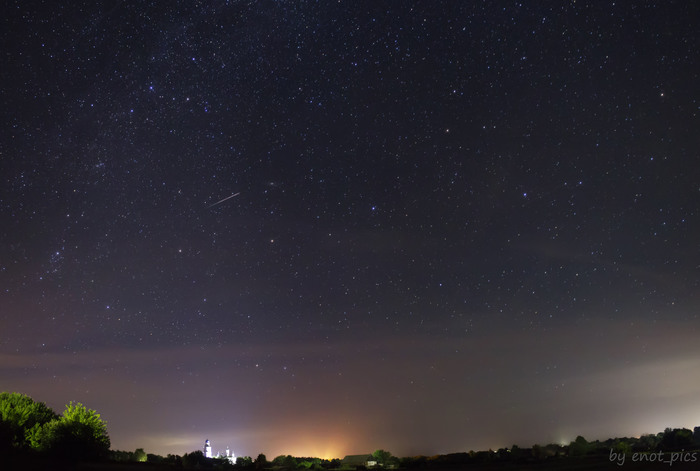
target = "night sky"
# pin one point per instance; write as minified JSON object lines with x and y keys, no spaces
{"x":457,"y":225}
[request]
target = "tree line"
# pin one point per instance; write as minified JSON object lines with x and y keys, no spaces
{"x":31,"y":428}
{"x":670,"y":440}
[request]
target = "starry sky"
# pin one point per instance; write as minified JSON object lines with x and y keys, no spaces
{"x":456,"y":224}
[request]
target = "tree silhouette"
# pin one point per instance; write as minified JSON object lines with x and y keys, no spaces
{"x":579,"y":447}
{"x":677,"y":439}
{"x":383,"y":457}
{"x":285,"y":462}
{"x":194,"y":459}
{"x":78,"y":433}
{"x":260,"y":461}
{"x":18,"y":415}
{"x":140,"y":455}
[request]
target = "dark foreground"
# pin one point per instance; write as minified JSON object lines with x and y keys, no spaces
{"x":553,"y":464}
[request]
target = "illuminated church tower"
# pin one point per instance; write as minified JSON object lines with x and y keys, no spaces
{"x":207,"y":449}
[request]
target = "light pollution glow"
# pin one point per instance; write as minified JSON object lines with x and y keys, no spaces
{"x":484,"y":400}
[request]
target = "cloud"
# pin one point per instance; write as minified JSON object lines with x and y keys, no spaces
{"x":393,"y":391}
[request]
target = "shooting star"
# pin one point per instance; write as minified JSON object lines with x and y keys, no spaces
{"x":221,"y":201}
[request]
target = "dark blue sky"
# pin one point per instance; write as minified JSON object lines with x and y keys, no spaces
{"x":457,"y":225}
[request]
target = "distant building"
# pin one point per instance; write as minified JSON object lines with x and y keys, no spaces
{"x":229,"y":455}
{"x":358,"y":461}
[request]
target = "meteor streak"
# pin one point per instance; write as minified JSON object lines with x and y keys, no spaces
{"x":221,"y":201}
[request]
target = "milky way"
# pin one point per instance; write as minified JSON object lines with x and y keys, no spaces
{"x":456,"y":225}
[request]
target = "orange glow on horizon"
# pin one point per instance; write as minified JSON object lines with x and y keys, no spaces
{"x":306,"y":445}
